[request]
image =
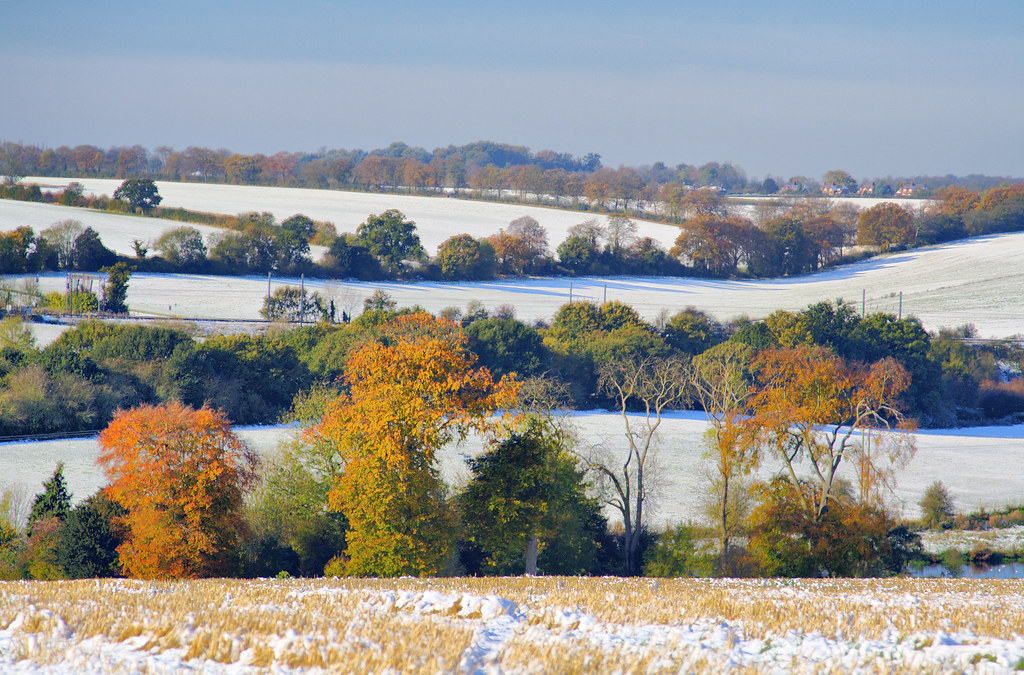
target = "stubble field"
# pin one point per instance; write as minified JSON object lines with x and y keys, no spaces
{"x":512,"y":625}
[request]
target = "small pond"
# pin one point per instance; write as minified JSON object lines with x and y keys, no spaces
{"x":970,"y":571}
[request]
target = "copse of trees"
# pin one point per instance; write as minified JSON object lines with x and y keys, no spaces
{"x":360,"y":493}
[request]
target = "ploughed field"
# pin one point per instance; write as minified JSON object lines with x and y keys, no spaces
{"x":512,"y":625}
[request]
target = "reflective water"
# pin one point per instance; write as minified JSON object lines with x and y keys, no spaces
{"x":970,"y":571}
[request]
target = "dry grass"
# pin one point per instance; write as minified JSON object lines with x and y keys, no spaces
{"x":556,"y":625}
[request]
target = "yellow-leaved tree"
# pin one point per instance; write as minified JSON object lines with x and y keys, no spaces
{"x":410,"y":392}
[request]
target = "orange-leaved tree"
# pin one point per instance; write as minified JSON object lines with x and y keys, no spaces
{"x":816,"y":409}
{"x":410,"y":392}
{"x":181,"y":474}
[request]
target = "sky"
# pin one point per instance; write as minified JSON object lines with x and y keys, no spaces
{"x":783,"y":89}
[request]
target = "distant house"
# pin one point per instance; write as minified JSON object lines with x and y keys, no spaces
{"x":908,"y":190}
{"x":866,"y":190}
{"x":834,"y":190}
{"x":792,"y":187}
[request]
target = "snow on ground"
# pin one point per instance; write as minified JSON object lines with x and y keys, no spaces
{"x":978,"y":281}
{"x":996,"y":539}
{"x":543,"y":625}
{"x":436,"y":218}
{"x":979,"y":470}
{"x":116,"y":231}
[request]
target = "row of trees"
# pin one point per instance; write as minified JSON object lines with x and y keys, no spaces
{"x":490,"y":169}
{"x":177,"y":475}
{"x":78,"y":381}
{"x":783,"y":238}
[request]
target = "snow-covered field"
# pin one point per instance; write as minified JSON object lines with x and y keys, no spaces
{"x":436,"y":218}
{"x":979,"y":281}
{"x":116,"y":231}
{"x":523,"y":625}
{"x":981,"y":467}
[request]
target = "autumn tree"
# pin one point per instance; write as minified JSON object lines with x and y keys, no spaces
{"x":815,"y":409}
{"x":522,"y":247}
{"x":720,"y":380}
{"x":181,"y":474}
{"x":956,"y":200}
{"x":410,"y":392}
{"x":885,"y":225}
{"x":711,"y":244}
{"x":650,"y":385}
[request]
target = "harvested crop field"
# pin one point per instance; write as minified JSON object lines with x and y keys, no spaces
{"x":535,"y":624}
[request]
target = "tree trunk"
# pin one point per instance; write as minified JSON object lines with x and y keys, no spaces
{"x":531,"y":555}
{"x":725,"y":522}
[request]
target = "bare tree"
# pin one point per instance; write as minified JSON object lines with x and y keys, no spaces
{"x":648,"y":386}
{"x":61,"y":236}
{"x":620,"y":232}
{"x":591,"y":230}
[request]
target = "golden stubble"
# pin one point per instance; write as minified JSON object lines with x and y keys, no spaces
{"x":354,"y":625}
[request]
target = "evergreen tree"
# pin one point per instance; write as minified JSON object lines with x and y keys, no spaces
{"x":53,"y":502}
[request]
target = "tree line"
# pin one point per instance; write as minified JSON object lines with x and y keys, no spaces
{"x":360,"y":493}
{"x":783,"y":238}
{"x":490,"y":170}
{"x":77,"y":382}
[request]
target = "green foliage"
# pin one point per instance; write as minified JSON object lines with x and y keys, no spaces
{"x":692,"y":331}
{"x":679,"y":552}
{"x":289,"y":303}
{"x":87,"y":541}
{"x":15,"y":336}
{"x":288,"y":511}
{"x":251,"y":378}
{"x":936,"y":506}
{"x":182,"y":246}
{"x":89,"y":253}
{"x":140,"y":193}
{"x":463,"y":257}
{"x":115,"y":291}
{"x":507,"y":346}
{"x":53,"y":502}
{"x":578,"y":254}
{"x":391,"y":239}
{"x":526,"y":486}
{"x":135,"y":342}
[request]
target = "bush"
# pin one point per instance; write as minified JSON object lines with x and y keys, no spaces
{"x":936,"y":506}
{"x":678,"y":552}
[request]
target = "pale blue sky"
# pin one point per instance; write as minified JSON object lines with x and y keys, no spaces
{"x":874,"y":88}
